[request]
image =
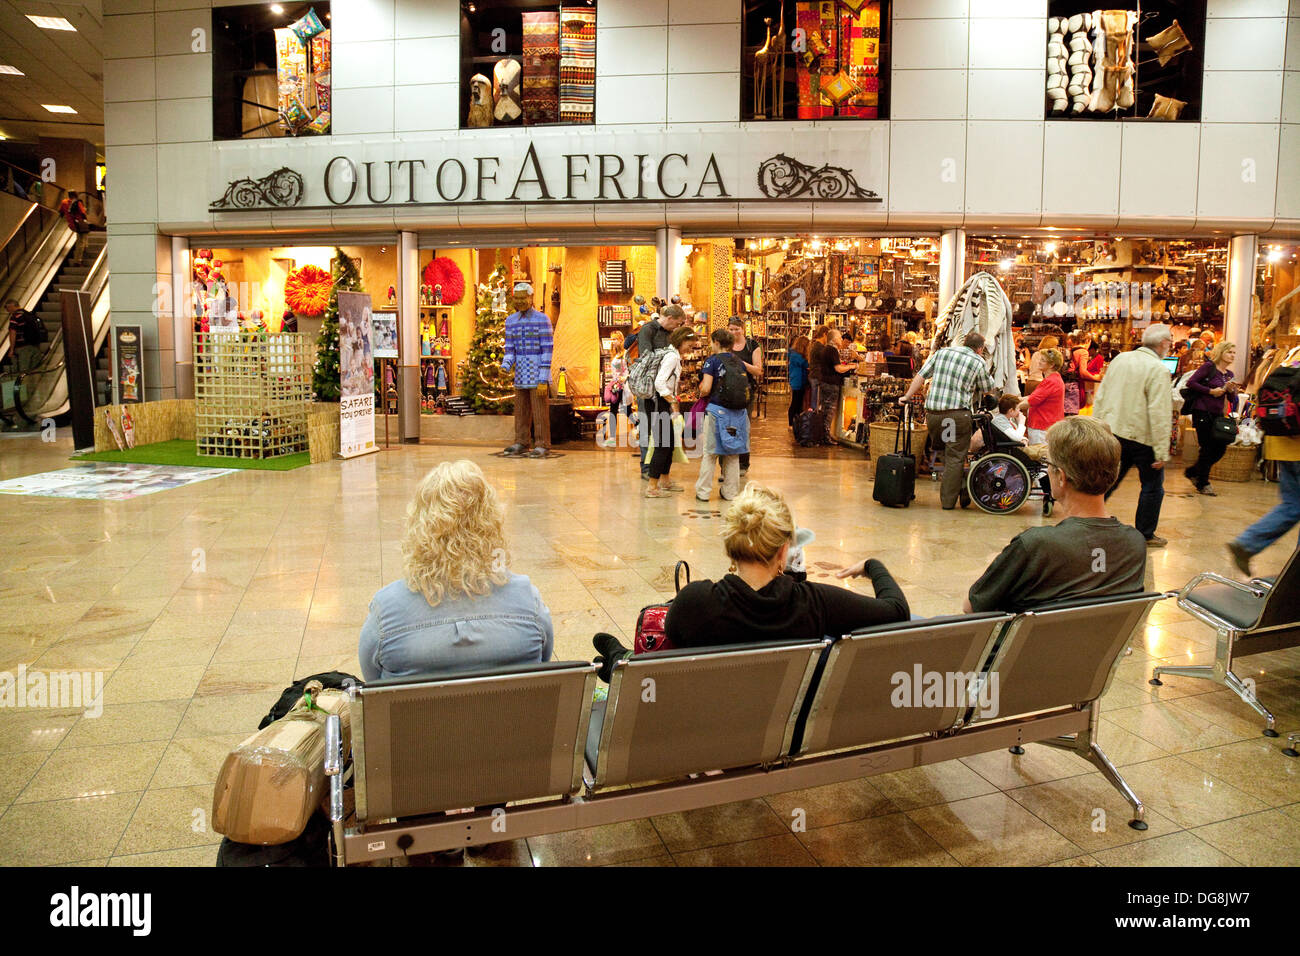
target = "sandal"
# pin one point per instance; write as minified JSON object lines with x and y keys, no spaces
{"x":671,"y":486}
{"x":657,"y":493}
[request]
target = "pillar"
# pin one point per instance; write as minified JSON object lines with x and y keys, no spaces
{"x":1237,"y":298}
{"x":408,"y":333}
{"x":182,"y":316}
{"x":668,"y":241}
{"x":952,"y":265}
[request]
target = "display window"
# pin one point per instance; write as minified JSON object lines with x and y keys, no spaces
{"x":271,"y":70}
{"x":1275,"y":319}
{"x":815,"y":60}
{"x":1109,"y":288}
{"x":525,"y":63}
{"x":1143,"y":62}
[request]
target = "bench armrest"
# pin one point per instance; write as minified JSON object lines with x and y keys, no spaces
{"x":1258,"y":590}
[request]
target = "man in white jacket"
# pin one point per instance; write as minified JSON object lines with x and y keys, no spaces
{"x":1134,"y":401}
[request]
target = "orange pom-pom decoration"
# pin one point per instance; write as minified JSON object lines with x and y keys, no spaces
{"x":307,"y":290}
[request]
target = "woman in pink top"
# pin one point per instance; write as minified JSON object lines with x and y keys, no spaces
{"x":1045,"y":405}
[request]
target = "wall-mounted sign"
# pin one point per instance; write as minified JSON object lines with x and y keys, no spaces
{"x":127,"y":356}
{"x":708,"y":166}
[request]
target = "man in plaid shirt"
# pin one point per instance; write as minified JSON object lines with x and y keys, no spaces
{"x":957,"y":373}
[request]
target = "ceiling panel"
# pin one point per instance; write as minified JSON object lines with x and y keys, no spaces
{"x":61,"y":67}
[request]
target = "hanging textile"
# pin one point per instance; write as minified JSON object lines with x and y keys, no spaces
{"x":541,"y":91}
{"x":577,"y":64}
{"x":982,"y":306}
{"x":860,"y":40}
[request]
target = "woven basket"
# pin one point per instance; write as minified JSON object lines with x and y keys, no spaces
{"x":1237,"y":463}
{"x":882,"y":436}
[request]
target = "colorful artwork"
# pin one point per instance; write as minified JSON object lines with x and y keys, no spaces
{"x":101,"y":482}
{"x":541,"y":89}
{"x":577,"y":64}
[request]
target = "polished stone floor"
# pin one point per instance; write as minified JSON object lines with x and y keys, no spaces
{"x":199,"y":604}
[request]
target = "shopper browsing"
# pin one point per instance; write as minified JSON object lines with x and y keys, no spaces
{"x":956,"y":373}
{"x":750,"y":354}
{"x":1089,"y":554}
{"x":1134,"y":401}
{"x":832,"y":381}
{"x":797,"y":355}
{"x":663,"y":409}
{"x":458,"y":607}
{"x":650,"y":337}
{"x":726,"y":419}
{"x":1045,"y":405}
{"x":1213,"y":395}
{"x":1038,"y":363}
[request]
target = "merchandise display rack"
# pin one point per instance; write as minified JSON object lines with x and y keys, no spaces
{"x":251,"y":391}
{"x":778,"y":329}
{"x":435,"y":349}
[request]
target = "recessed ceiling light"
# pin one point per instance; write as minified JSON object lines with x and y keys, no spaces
{"x":58,"y":109}
{"x":277,"y":9}
{"x":52,"y":23}
{"x":11,"y":70}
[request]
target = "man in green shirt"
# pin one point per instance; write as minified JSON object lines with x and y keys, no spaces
{"x":1089,"y":554}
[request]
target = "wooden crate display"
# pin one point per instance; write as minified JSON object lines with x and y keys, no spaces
{"x":251,"y":392}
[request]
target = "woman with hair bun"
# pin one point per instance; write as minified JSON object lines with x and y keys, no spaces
{"x":459,"y":607}
{"x":758,"y":602}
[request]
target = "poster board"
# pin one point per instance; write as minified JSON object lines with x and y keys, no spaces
{"x":128,"y":367}
{"x":356,"y":376}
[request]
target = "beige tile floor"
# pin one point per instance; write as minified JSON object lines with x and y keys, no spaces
{"x":199,"y":604}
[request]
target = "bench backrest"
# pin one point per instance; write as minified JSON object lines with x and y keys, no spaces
{"x":674,"y":713}
{"x":1282,"y":605}
{"x":878,"y":683}
{"x":425,"y":745}
{"x":1062,"y":655}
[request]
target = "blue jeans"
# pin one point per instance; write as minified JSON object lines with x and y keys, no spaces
{"x":1153,"y":484}
{"x":1282,"y":518}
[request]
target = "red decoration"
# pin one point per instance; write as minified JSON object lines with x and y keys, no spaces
{"x":307,"y":290}
{"x":442,"y":271}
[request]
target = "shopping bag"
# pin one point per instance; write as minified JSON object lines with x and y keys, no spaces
{"x":679,"y":430}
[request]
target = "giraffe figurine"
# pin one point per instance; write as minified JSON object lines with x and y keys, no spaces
{"x":762,"y":71}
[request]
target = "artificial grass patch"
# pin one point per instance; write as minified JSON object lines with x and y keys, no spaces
{"x":182,"y":452}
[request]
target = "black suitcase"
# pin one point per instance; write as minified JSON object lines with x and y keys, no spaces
{"x":809,"y":428}
{"x":895,"y":480}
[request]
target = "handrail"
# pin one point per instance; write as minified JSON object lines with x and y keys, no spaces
{"x":27,"y":172}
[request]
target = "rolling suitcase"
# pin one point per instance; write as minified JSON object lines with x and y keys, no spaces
{"x":808,"y":428}
{"x":895,"y":481}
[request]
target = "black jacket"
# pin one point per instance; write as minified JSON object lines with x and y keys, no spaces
{"x":729,"y":611}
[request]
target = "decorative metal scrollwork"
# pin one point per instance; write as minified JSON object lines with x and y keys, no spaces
{"x":280,"y":189}
{"x":784,"y":177}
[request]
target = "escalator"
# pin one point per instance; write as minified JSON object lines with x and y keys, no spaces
{"x":37,"y":284}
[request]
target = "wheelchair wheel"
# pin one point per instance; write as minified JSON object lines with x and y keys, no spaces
{"x":998,"y":484}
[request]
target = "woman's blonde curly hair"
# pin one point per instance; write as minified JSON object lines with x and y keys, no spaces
{"x":455,"y":538}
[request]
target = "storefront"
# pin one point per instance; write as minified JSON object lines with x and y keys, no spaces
{"x":713,"y":159}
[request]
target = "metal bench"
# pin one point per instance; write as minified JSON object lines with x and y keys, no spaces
{"x":1247,"y":619}
{"x":478,"y":758}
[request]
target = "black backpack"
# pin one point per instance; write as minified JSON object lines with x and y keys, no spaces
{"x":1277,"y":406}
{"x":732,"y":386}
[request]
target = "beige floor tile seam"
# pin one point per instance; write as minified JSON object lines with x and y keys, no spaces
{"x":675,"y":857}
{"x":883,"y":818}
{"x":1204,"y":826}
{"x":1081,"y":851}
{"x":779,"y":819}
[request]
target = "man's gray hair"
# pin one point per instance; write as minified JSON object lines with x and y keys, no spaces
{"x":1155,"y":334}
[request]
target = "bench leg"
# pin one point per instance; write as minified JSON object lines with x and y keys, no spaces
{"x":1220,"y":676}
{"x":1290,"y":750}
{"x":1097,"y":757}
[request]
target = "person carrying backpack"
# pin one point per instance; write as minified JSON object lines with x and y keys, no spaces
{"x":26,"y":335}
{"x":726,"y":421}
{"x":651,"y":337}
{"x":73,"y":211}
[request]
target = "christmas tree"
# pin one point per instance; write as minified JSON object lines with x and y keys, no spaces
{"x":325,"y":376}
{"x":484,"y":383}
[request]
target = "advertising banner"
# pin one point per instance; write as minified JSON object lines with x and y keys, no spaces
{"x":356,"y":376}
{"x":129,"y":370}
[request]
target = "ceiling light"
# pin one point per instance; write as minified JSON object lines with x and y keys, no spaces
{"x":277,"y":9}
{"x":52,"y":23}
{"x":58,"y":109}
{"x":11,"y":70}
{"x":1274,"y":254}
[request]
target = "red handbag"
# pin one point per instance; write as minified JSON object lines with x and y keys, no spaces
{"x":650,"y":634}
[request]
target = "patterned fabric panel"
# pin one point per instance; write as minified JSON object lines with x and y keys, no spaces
{"x":541,"y":88}
{"x":577,"y":64}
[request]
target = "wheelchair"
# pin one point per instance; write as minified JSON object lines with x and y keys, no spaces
{"x":1001,"y":477}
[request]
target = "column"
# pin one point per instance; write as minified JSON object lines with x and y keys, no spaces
{"x":952,"y":265}
{"x":668,"y":242}
{"x":1237,"y":298}
{"x":182,"y":316}
{"x":408,"y":329}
